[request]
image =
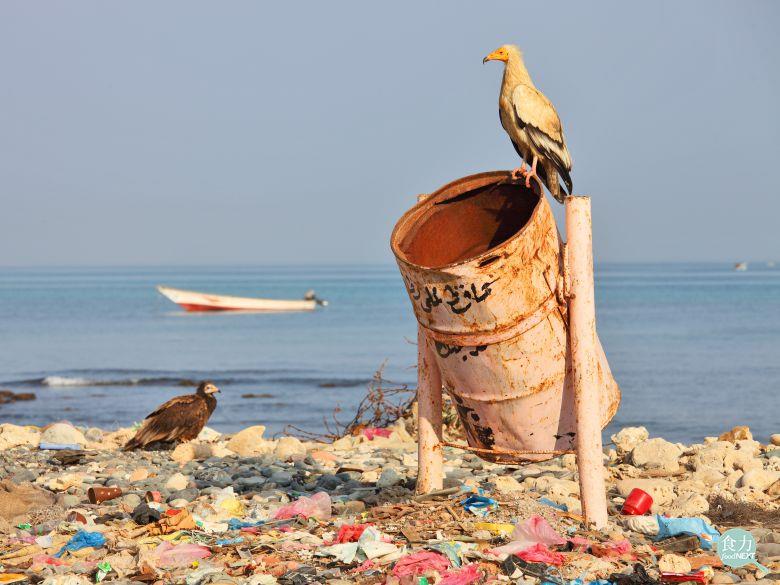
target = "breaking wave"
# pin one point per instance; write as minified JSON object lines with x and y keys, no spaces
{"x":125,"y":378}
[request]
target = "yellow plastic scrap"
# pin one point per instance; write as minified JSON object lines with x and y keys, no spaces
{"x":499,"y":529}
{"x":234,"y":507}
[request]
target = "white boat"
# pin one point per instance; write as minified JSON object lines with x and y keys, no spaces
{"x":740,"y":266}
{"x":198,"y":301}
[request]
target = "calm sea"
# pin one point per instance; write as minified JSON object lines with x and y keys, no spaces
{"x":694,"y":347}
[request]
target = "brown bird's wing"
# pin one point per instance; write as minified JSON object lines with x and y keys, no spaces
{"x":180,"y":417}
{"x":538,"y":118}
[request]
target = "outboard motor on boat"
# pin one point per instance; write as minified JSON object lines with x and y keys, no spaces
{"x":311,"y":296}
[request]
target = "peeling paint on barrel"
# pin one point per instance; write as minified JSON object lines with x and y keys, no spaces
{"x":482,"y":261}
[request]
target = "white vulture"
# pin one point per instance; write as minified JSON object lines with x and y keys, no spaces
{"x":532,"y":124}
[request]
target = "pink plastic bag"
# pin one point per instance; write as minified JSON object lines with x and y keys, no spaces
{"x":180,"y":555}
{"x":539,"y":553}
{"x":418,"y":563}
{"x":535,"y":530}
{"x":371,"y":432}
{"x":317,"y":506}
{"x":463,"y":576}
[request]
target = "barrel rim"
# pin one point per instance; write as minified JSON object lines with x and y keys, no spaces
{"x":428,"y":202}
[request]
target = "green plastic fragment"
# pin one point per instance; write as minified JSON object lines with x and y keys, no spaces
{"x":24,"y":526}
{"x":104,"y":569}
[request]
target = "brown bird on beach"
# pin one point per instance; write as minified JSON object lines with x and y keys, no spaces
{"x":180,"y":419}
{"x":532,"y":124}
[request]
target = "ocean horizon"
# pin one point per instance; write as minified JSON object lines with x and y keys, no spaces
{"x":694,"y":346}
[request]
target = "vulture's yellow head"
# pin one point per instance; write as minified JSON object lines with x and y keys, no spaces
{"x":504,"y":53}
{"x":207,"y":388}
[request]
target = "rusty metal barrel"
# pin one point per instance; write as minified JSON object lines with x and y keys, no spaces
{"x":482,"y":261}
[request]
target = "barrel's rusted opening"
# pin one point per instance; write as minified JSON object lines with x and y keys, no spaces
{"x":464,"y":221}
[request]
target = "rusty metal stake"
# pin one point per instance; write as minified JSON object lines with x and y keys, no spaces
{"x":430,"y":473}
{"x":584,"y":364}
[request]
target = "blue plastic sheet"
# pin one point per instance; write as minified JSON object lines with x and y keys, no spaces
{"x":669,"y":527}
{"x":236,"y":524}
{"x":59,"y":446}
{"x":561,"y":507}
{"x":229,"y":541}
{"x":82,"y":539}
{"x":479,"y":505}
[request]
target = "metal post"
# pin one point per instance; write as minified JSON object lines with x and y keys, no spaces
{"x":430,"y":474}
{"x":582,"y":340}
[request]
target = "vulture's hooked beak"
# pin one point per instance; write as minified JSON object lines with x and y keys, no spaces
{"x":497,"y":55}
{"x":486,"y":59}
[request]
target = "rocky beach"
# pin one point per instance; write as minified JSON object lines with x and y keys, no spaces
{"x":242,"y":508}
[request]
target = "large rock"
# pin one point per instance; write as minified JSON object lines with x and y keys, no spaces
{"x":713,"y":456}
{"x":740,"y":433}
{"x":186,"y":452}
{"x":775,"y":439}
{"x":689,"y":504}
{"x":177,"y":482}
{"x":507,"y":484}
{"x":661,"y":490}
{"x":758,"y":479}
{"x":15,"y":436}
{"x":656,"y":454}
{"x":389,"y":478}
{"x":16,"y":501}
{"x":629,"y":437}
{"x":289,"y":449}
{"x":250,"y":442}
{"x":63,"y":434}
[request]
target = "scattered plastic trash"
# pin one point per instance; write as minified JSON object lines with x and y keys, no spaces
{"x":419,"y":563}
{"x":371,"y":432}
{"x":82,"y":539}
{"x":668,"y":527}
{"x":179,"y":555}
{"x":318,"y":506}
{"x":479,"y":505}
{"x":580,"y":543}
{"x":540,"y":553}
{"x":499,"y":529}
{"x":610,"y":548}
{"x":229,"y":541}
{"x":450,"y":549}
{"x":547,"y":502}
{"x":637,"y":503}
{"x":536,"y":530}
{"x":466,"y":575}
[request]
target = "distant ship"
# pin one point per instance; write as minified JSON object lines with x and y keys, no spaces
{"x":740,"y":266}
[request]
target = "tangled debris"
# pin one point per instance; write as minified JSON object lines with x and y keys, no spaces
{"x":244,"y":509}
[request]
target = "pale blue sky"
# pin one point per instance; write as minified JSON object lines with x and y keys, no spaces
{"x":250,"y":132}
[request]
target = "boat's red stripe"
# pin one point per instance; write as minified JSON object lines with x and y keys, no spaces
{"x":194,"y":308}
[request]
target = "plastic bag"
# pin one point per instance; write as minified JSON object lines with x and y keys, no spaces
{"x":468,"y":574}
{"x":668,"y":527}
{"x":169,"y":555}
{"x":479,"y":505}
{"x":317,"y":506}
{"x":350,"y":532}
{"x":371,"y":432}
{"x":539,"y":553}
{"x":418,"y":563}
{"x":82,"y":539}
{"x":535,"y":530}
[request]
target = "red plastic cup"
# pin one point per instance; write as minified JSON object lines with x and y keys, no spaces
{"x":637,"y":503}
